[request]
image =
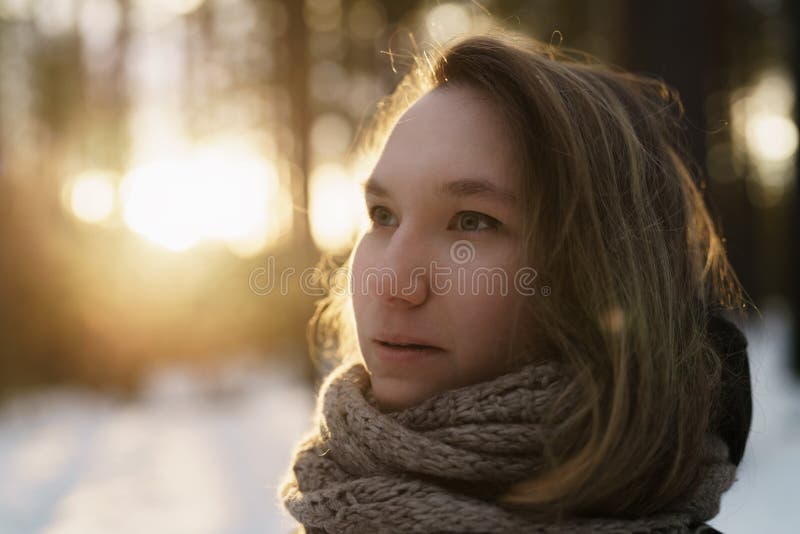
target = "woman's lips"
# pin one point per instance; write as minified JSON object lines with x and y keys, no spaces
{"x":399,"y":353}
{"x":402,"y":339}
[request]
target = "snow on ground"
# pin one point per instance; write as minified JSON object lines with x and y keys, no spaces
{"x":191,"y":456}
{"x":197,"y":455}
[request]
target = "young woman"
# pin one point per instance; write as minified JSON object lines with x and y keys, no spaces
{"x":532,"y":338}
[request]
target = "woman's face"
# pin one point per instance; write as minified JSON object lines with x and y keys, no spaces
{"x":436,"y":267}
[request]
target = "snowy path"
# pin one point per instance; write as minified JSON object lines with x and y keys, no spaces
{"x":197,"y":457}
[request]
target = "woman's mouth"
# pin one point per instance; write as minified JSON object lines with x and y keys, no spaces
{"x":406,"y":345}
{"x":397,"y":352}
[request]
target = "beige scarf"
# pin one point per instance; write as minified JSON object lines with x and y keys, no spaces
{"x":437,"y":466}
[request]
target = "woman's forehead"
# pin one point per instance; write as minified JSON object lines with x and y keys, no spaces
{"x":453,"y":110}
{"x":449,"y":135}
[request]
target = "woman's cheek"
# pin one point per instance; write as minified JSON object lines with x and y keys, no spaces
{"x":359,"y":293}
{"x":483,"y":311}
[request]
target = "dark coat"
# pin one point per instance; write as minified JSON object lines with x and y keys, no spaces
{"x":736,"y":400}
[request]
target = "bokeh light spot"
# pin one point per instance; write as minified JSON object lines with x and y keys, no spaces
{"x":91,"y":196}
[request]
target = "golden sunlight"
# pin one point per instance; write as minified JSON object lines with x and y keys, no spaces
{"x":448,"y":20}
{"x":224,"y":192}
{"x":772,"y":137}
{"x":336,"y":207}
{"x":90,"y":196}
{"x":765,"y":131}
{"x":176,"y":7}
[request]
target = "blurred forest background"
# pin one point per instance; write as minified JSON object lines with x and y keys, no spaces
{"x":153,"y":153}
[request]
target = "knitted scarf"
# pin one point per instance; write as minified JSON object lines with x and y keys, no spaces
{"x":437,"y":467}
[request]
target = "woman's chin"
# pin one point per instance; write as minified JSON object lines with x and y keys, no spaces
{"x":394,"y":394}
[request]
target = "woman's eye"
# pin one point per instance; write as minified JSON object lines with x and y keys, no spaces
{"x":472,"y":221}
{"x":380,"y":215}
{"x":465,"y":221}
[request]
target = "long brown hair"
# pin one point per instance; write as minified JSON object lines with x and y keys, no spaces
{"x":616,"y":225}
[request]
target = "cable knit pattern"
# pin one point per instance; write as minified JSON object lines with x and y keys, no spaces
{"x":437,"y":466}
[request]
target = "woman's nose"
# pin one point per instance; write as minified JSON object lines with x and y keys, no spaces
{"x":407,"y":261}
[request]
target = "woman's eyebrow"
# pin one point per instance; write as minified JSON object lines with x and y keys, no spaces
{"x":458,"y":188}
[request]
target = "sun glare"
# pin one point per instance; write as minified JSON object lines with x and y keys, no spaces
{"x":336,"y":207}
{"x":219,"y":192}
